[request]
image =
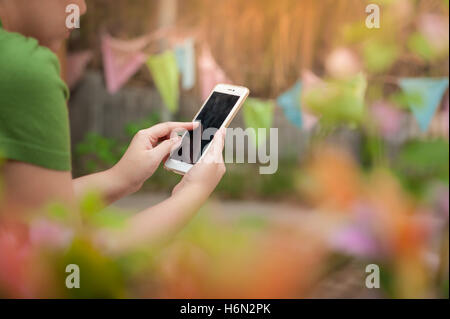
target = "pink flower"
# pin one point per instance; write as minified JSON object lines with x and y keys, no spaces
{"x":388,"y":118}
{"x":342,"y":63}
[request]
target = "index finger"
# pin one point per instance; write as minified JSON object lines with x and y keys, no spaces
{"x":164,"y":129}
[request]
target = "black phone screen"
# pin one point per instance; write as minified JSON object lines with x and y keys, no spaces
{"x":212,"y":116}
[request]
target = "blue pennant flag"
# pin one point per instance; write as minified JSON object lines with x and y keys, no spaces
{"x":290,"y":103}
{"x":424,"y":96}
{"x":185,"y":55}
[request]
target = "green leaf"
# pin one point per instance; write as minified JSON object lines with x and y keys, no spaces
{"x":338,"y":102}
{"x":405,"y":99}
{"x":418,"y":43}
{"x":91,"y":204}
{"x":58,"y":211}
{"x":109,"y":218}
{"x":422,"y":161}
{"x":379,"y":57}
{"x":100,"y":276}
{"x":132,"y":128}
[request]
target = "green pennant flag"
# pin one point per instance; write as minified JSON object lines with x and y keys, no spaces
{"x":258,"y":114}
{"x":164,"y":70}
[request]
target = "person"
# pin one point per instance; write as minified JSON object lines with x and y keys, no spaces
{"x":35,"y":139}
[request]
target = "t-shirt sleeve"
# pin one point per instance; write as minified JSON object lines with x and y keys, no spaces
{"x":34,"y":126}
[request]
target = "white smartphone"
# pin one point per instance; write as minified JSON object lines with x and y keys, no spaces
{"x":218,"y":111}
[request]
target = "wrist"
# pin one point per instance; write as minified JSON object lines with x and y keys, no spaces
{"x":194,"y":192}
{"x":123,"y":184}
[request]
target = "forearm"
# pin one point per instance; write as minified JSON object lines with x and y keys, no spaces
{"x":158,"y":222}
{"x":108,"y":184}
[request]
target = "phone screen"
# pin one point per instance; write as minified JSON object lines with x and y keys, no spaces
{"x":212,"y":116}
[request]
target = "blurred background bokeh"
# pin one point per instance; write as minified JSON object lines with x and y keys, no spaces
{"x":363,"y":171}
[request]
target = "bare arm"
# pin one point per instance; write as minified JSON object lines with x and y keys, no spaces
{"x":147,"y":149}
{"x":108,"y":184}
{"x":153,"y":224}
{"x":30,"y":188}
{"x":169,"y":216}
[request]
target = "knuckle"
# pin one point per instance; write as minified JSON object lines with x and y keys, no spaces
{"x":168,"y":143}
{"x":141,"y":133}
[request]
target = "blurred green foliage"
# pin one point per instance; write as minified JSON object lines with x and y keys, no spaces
{"x":380,"y":56}
{"x":404,"y":99}
{"x":132,"y":128}
{"x":258,"y":114}
{"x":419,"y":44}
{"x":242,"y":181}
{"x":338,"y":102}
{"x":419,"y":163}
{"x":58,"y":211}
{"x":100,"y":275}
{"x":97,"y":152}
{"x":217,"y":238}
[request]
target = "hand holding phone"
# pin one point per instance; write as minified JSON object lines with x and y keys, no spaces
{"x":207,"y":173}
{"x":218,"y":111}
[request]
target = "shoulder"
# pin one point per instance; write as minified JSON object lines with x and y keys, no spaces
{"x":27,"y":66}
{"x":34,"y":124}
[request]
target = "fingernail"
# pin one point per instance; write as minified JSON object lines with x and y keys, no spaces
{"x":175,"y":139}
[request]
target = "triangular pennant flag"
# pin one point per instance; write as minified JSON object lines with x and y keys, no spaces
{"x":210,"y":73}
{"x":309,"y":121}
{"x":258,"y":114}
{"x":439,"y":125}
{"x":185,"y":54}
{"x":425,"y":95}
{"x":121,"y":60}
{"x":290,"y":103}
{"x":164,"y":70}
{"x":75,"y":66}
{"x":310,"y":80}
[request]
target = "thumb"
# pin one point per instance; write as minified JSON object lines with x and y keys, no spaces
{"x":214,"y":154}
{"x":164,"y":148}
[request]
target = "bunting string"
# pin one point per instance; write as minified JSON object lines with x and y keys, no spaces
{"x":123,"y":58}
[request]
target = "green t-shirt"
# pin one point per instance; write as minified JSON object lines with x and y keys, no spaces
{"x":34,"y":121}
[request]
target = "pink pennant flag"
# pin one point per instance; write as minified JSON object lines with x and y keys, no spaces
{"x":76,"y":65}
{"x":309,"y":81}
{"x":435,"y":29}
{"x":210,"y":73}
{"x":309,"y":121}
{"x":121,"y":60}
{"x":439,"y":126}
